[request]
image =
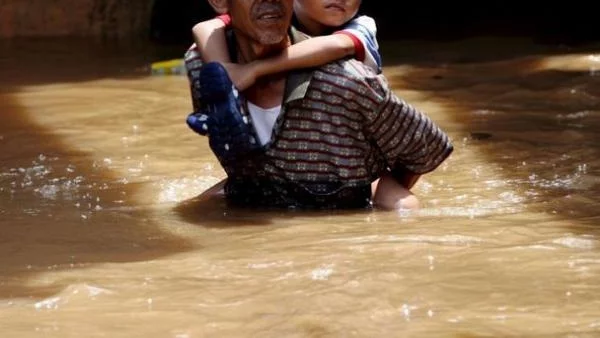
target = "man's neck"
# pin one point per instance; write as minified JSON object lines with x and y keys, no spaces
{"x":268,"y":91}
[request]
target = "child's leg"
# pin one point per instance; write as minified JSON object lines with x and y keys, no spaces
{"x":220,"y":115}
{"x":388,"y":194}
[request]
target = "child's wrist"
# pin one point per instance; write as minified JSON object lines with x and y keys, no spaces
{"x":257,"y":67}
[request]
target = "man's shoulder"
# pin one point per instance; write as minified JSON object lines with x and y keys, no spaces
{"x":350,"y":80}
{"x":351,"y":69}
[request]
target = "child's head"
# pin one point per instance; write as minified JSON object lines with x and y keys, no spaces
{"x":320,"y":15}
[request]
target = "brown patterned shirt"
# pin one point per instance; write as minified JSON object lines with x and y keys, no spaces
{"x":339,"y":129}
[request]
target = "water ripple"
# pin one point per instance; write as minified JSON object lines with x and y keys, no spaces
{"x":72,"y":294}
{"x":576,"y":243}
{"x":458,"y":240}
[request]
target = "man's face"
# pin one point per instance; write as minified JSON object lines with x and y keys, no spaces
{"x":264,"y":21}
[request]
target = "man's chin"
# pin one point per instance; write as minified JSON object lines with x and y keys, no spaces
{"x":272,"y":37}
{"x":271,"y":43}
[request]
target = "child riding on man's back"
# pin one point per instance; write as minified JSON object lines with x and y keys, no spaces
{"x":337,"y":32}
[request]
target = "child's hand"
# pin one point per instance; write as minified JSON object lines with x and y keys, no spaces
{"x":242,"y":76}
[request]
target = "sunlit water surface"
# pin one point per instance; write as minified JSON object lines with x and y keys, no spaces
{"x":102,"y":233}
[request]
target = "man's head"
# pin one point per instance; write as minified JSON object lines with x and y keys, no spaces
{"x":263,"y":22}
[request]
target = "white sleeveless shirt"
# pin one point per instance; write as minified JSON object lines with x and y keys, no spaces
{"x":263,"y":120}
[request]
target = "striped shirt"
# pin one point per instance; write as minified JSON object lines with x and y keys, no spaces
{"x":341,"y":127}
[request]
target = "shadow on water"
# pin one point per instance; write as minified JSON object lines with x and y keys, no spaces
{"x":51,"y":193}
{"x":477,"y":49}
{"x":37,"y":61}
{"x":212,"y":211}
{"x":534,"y":111}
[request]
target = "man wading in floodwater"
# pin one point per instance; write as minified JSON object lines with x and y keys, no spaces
{"x":339,"y":137}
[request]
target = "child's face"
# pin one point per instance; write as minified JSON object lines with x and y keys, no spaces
{"x":330,"y":13}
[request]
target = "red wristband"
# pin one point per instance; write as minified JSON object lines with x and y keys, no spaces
{"x":359,"y":48}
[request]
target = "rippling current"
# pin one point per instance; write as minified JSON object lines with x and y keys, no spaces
{"x":102,"y":232}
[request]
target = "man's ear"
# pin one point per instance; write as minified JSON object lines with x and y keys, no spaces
{"x":220,"y":6}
